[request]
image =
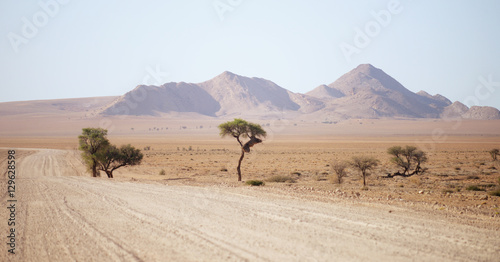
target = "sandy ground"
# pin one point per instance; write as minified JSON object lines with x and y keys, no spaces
{"x":64,"y":215}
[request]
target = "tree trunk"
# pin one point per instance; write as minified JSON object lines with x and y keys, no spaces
{"x":403,"y":174}
{"x":109,"y":173}
{"x":364,"y":179}
{"x":94,"y":168}
{"x":396,"y":174}
{"x":239,"y":164}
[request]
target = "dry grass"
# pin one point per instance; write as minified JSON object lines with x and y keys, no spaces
{"x":307,"y":162}
{"x":281,"y":179}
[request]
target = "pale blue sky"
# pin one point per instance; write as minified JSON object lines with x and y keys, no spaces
{"x":102,"y":48}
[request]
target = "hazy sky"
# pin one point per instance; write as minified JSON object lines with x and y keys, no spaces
{"x":63,"y":49}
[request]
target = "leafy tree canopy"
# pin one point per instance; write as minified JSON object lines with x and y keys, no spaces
{"x":409,"y":158}
{"x":111,"y":158}
{"x":239,"y":127}
{"x":91,"y":141}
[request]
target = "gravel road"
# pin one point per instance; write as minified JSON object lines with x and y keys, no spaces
{"x":64,"y":215}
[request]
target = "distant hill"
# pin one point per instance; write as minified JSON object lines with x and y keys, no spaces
{"x":170,"y":97}
{"x":364,"y":92}
{"x":225,"y":94}
{"x":455,"y":110}
{"x":482,"y":112}
{"x":236,"y":94}
{"x":325,"y":92}
{"x":368,"y":92}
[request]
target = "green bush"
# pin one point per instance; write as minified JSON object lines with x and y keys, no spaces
{"x":255,"y":183}
{"x":162,"y":172}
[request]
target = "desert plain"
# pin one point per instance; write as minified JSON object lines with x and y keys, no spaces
{"x":184,"y":203}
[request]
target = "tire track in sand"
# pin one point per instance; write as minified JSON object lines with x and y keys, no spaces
{"x":158,"y":225}
{"x":47,"y":231}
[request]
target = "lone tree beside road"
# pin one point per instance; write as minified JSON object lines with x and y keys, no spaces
{"x":238,"y":128}
{"x":99,"y":154}
{"x":409,"y":159}
{"x":91,"y":141}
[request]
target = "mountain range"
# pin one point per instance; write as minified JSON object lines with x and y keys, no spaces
{"x":364,"y":92}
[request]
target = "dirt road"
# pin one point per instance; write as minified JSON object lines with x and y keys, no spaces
{"x":63,"y":215}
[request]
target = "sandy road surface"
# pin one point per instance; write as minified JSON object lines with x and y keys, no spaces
{"x":63,"y":216}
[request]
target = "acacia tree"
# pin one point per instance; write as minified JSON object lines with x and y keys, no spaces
{"x":409,"y":159}
{"x":111,"y":158}
{"x":363,"y":164}
{"x":91,"y":141}
{"x":339,"y":169}
{"x":238,"y":128}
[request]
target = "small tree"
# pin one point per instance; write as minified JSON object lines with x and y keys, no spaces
{"x":364,"y":164}
{"x":91,"y":141}
{"x":238,"y":128}
{"x":409,"y":159}
{"x":494,"y":153}
{"x":111,"y":158}
{"x":339,"y":169}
